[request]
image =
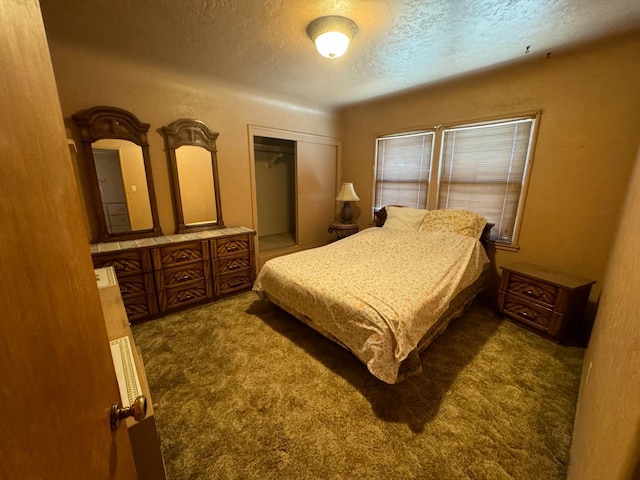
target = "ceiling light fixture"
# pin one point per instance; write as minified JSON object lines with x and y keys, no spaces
{"x":332,"y":34}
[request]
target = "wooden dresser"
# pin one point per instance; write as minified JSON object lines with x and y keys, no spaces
{"x":160,"y":274}
{"x":548,"y":302}
{"x":182,"y":274}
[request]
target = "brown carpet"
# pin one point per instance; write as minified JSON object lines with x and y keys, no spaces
{"x":245,"y":391}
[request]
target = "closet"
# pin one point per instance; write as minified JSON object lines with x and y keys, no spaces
{"x":275,"y":175}
{"x":294,"y":180}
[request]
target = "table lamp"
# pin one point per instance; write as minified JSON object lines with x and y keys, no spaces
{"x":347,"y":195}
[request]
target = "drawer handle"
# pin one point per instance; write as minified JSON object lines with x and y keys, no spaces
{"x":235,"y":283}
{"x":234,"y":266}
{"x":184,"y":278}
{"x":232,"y":248}
{"x":526,"y":315}
{"x":185,"y":298}
{"x":123,"y":291}
{"x":529,"y":292}
{"x":183,"y":257}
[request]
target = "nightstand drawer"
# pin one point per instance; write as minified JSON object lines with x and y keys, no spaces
{"x":550,"y":302}
{"x":530,"y":313}
{"x":536,"y":290}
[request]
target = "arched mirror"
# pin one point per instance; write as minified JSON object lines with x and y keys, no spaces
{"x":115,"y":146}
{"x":191,"y":147}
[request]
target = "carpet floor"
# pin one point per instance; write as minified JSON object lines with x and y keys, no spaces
{"x":245,"y":391}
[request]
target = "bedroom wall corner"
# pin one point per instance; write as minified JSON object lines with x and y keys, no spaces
{"x":606,"y":436}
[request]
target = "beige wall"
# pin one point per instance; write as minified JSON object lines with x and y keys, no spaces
{"x":86,"y":78}
{"x":606,"y":437}
{"x":588,"y":135}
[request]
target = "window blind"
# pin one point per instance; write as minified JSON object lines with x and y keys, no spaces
{"x":402,"y":169}
{"x":483,"y":169}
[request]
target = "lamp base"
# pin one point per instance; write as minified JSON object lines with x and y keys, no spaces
{"x":346,"y":215}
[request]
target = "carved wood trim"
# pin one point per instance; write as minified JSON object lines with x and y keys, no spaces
{"x":105,"y":122}
{"x":183,"y":132}
{"x":187,"y":131}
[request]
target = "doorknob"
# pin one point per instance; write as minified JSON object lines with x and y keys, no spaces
{"x":137,"y":410}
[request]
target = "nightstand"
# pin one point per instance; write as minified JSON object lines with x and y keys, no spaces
{"x":343,"y":229}
{"x":547,"y":302}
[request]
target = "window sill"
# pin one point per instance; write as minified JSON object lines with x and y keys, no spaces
{"x":502,"y":246}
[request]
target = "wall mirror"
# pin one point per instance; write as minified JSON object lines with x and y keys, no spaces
{"x":191,"y":148}
{"x":114,"y":144}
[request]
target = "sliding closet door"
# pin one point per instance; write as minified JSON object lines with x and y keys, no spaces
{"x":316,"y":189}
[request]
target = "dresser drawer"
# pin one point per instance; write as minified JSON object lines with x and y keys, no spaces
{"x":539,"y":292}
{"x":118,"y":220}
{"x":180,"y":254}
{"x":184,"y":274}
{"x":234,"y":281}
{"x":140,"y":307}
{"x":232,"y":264}
{"x":530,"y":313}
{"x":181,"y":296}
{"x":124,"y":263}
{"x":133,"y":285}
{"x":116,"y":209}
{"x":232,"y":245}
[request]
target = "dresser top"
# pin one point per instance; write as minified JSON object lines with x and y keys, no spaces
{"x":550,"y":276}
{"x":167,"y":239}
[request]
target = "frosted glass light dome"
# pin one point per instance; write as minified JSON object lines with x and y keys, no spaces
{"x":332,"y":44}
{"x":332,"y":34}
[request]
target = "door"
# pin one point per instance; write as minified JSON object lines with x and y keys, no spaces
{"x":316,"y":184}
{"x":57,"y":375}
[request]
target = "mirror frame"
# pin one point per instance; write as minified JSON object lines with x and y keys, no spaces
{"x":187,"y":131}
{"x":103,"y":122}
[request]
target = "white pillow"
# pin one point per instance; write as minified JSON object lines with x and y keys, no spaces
{"x":404,"y":218}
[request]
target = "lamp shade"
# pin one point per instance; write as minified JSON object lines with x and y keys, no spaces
{"x":332,"y":34}
{"x":347,"y":193}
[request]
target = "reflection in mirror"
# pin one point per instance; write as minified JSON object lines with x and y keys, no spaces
{"x":116,"y":150}
{"x":191,"y":147}
{"x":123,"y":185}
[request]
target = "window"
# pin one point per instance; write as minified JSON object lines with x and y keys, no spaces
{"x":481,"y":167}
{"x":402,"y":169}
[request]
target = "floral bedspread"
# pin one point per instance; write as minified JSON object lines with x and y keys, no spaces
{"x":378,"y":292}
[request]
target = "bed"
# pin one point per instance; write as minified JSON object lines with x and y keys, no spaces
{"x":385,"y":293}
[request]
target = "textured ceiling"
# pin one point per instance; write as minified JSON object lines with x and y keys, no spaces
{"x":261,"y":45}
